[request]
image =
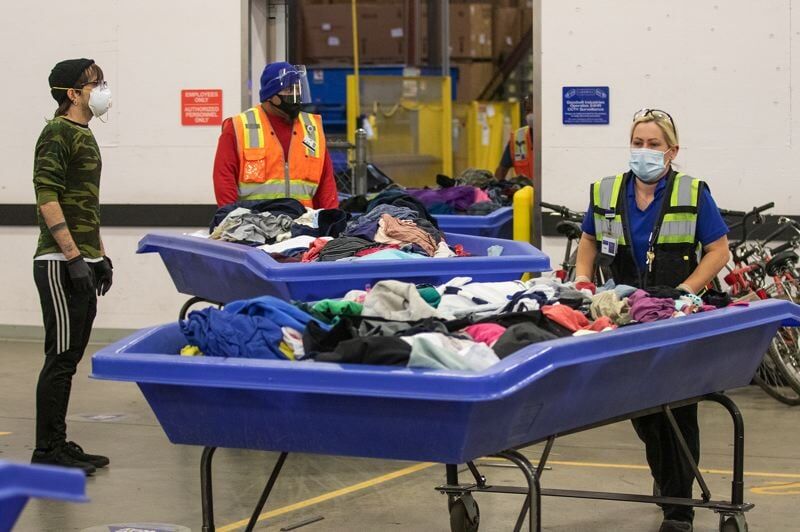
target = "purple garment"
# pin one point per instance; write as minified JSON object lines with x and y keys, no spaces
{"x":460,"y":198}
{"x":645,"y":309}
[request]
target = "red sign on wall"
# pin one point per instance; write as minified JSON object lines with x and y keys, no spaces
{"x":201,"y":107}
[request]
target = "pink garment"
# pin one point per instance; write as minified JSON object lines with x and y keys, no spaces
{"x":314,"y":249}
{"x":394,"y":231}
{"x":481,"y":195}
{"x":488,"y":333}
{"x":645,"y":309}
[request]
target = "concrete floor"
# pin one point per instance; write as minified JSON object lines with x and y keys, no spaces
{"x":151,"y":480}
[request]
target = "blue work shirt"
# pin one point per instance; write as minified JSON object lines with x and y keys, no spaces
{"x":710,"y":225}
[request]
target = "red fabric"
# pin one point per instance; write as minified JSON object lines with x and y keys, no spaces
{"x":574,"y":320}
{"x":226,"y":166}
{"x":566,"y":317}
{"x":314,"y":249}
{"x":586,"y":285}
{"x":603,"y":322}
{"x":459,"y":250}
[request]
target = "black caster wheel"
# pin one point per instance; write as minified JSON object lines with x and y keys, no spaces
{"x":732,"y":523}
{"x":465,"y":515}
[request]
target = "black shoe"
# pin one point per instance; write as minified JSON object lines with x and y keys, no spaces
{"x":60,"y":457}
{"x":75,"y":451}
{"x":669,"y":525}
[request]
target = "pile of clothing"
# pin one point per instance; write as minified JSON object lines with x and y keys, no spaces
{"x":393,"y":227}
{"x":474,"y":192}
{"x":460,"y":325}
{"x":266,"y":222}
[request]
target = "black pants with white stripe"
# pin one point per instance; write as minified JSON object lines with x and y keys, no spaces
{"x":68,"y":317}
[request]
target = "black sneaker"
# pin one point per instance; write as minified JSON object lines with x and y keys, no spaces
{"x":60,"y":457}
{"x":75,"y":451}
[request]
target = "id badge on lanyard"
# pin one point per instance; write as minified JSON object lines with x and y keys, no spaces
{"x":608,"y":246}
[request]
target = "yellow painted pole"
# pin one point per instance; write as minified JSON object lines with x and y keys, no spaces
{"x":447,"y":127}
{"x":356,"y":99}
{"x":523,"y":211}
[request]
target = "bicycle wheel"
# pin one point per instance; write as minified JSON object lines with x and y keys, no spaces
{"x":785,"y":351}
{"x":771,"y":379}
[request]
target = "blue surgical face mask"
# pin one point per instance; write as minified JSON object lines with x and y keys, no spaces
{"x":648,"y":165}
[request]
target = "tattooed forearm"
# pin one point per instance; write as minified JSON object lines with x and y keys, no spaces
{"x":57,"y":227}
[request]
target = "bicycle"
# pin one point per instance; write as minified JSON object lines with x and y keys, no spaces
{"x":570,"y":227}
{"x":763,"y":272}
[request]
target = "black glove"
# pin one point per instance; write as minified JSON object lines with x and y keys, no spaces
{"x":105,"y":272}
{"x":80,"y":275}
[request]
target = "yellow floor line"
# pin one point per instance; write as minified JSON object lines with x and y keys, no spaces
{"x":330,"y":495}
{"x":419,"y":467}
{"x":645,"y":468}
{"x":4,"y":433}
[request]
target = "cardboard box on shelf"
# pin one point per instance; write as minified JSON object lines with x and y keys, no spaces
{"x":473,"y":76}
{"x":471,"y":31}
{"x":506,"y":25}
{"x":327,"y":32}
{"x":381,"y":33}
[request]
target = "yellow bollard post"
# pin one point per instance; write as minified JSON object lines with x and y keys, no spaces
{"x":523,"y":211}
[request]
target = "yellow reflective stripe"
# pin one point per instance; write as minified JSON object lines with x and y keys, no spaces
{"x":695,"y":191}
{"x":680,"y":217}
{"x":675,"y":239}
{"x":260,"y":127}
{"x":615,"y":191}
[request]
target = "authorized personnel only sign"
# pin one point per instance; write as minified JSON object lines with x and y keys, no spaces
{"x":201,"y":107}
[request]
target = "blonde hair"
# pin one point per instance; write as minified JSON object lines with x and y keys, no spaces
{"x":664,"y":124}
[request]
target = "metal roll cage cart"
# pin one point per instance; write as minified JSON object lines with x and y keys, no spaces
{"x":464,"y":510}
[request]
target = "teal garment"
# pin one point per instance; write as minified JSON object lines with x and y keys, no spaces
{"x":331,"y":308}
{"x":391,"y":254}
{"x":429,"y":294}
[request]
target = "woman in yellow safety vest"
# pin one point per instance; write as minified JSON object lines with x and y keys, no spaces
{"x":654,"y":226}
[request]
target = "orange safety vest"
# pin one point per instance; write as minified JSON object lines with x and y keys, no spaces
{"x":263,"y":171}
{"x":521,"y":148}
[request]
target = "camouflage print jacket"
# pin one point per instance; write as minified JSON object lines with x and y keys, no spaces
{"x":66,"y":169}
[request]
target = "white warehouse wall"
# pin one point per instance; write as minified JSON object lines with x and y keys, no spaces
{"x":723,"y":69}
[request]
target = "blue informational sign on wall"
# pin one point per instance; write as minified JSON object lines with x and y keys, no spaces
{"x":586,"y":105}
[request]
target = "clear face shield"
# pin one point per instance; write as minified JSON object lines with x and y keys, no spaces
{"x":294,"y":85}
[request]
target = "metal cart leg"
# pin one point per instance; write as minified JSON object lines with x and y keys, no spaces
{"x":533,"y":499}
{"x":267,"y":490}
{"x":206,"y":491}
{"x":737,"y":483}
{"x":687,"y":454}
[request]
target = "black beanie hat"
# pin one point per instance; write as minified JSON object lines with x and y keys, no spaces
{"x":66,"y":74}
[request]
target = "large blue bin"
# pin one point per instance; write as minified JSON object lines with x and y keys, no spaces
{"x":20,"y":482}
{"x":223,"y":272}
{"x":442,"y":416}
{"x":499,"y":224}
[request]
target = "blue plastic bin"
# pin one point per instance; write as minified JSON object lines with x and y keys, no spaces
{"x":20,"y":482}
{"x":223,"y":272}
{"x":499,"y":224}
{"x":441,"y":416}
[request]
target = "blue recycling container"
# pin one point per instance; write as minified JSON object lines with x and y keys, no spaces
{"x":223,"y":271}
{"x":18,"y":483}
{"x":498,"y":224}
{"x":440,"y":415}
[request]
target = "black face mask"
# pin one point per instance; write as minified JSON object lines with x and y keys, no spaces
{"x":289,"y":106}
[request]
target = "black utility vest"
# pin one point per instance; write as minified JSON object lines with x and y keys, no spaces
{"x":674,"y":249}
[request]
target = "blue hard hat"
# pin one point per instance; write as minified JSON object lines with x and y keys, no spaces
{"x":276,"y":77}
